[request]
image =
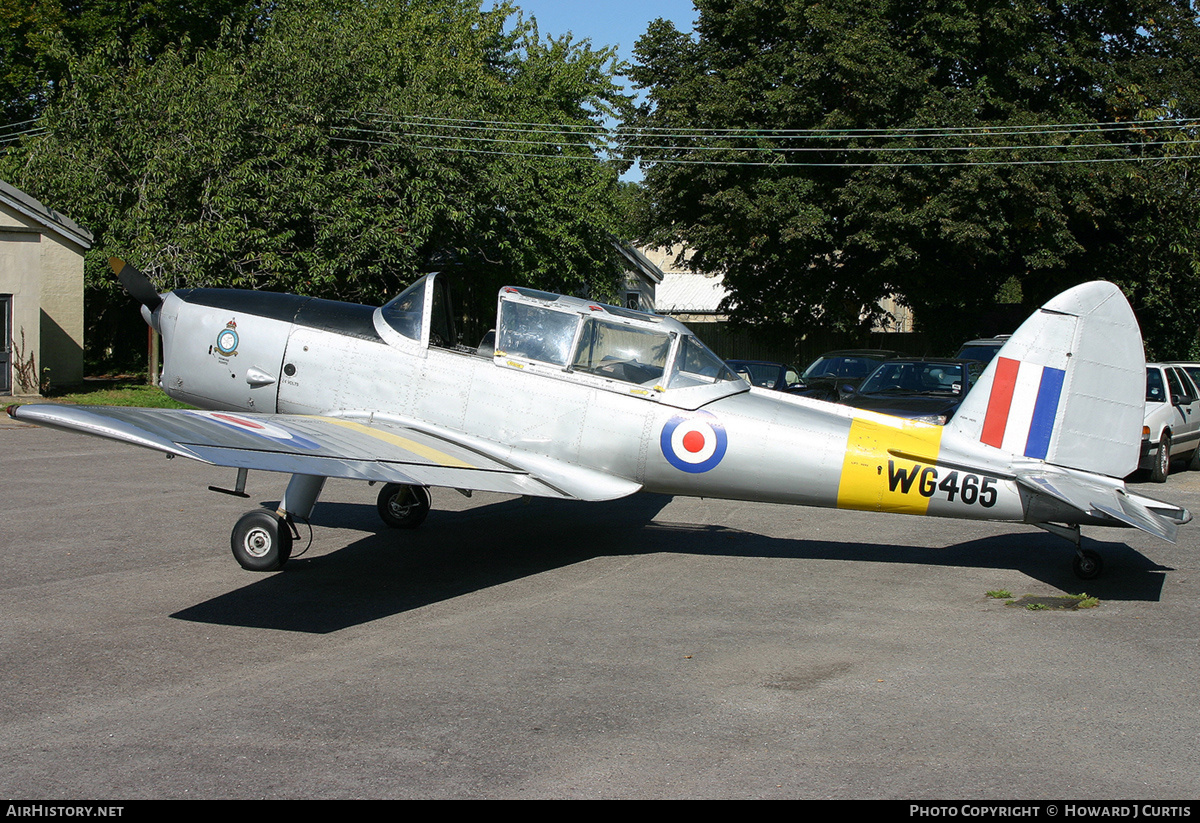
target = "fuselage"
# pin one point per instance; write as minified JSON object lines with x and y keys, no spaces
{"x":268,"y":353}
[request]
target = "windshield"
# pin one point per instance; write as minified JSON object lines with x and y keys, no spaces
{"x":1155,"y":391}
{"x":695,"y":365}
{"x":403,"y":313}
{"x":764,"y":375}
{"x":980,"y":353}
{"x":856,"y":367}
{"x":916,"y":378}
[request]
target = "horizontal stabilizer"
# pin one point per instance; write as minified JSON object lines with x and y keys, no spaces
{"x":1099,"y":499}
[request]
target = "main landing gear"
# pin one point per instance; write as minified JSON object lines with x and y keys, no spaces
{"x":1088,"y":564}
{"x":403,"y":507}
{"x":262,"y":540}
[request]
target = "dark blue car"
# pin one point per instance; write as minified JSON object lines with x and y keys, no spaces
{"x":928,"y":390}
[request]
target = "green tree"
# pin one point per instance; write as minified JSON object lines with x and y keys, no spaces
{"x":824,"y":155}
{"x":37,"y":38}
{"x":336,"y":150}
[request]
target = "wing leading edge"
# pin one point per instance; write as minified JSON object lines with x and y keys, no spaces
{"x":366,"y":448}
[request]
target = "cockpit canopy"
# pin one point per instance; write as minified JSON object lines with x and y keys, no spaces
{"x":645,"y":353}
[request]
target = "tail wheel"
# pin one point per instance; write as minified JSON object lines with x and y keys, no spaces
{"x":403,"y":506}
{"x":1088,"y":564}
{"x":261,"y":541}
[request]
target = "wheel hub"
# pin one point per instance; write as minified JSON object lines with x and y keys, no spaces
{"x":257,"y":542}
{"x":399,"y":506}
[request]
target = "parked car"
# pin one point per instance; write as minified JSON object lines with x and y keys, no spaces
{"x":767,"y":375}
{"x":928,"y":390}
{"x":983,"y":349}
{"x":834,"y":373}
{"x":1171,"y":426}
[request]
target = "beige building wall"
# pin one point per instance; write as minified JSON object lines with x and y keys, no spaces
{"x":43,"y":271}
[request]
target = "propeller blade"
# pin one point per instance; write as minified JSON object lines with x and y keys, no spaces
{"x":137,"y":284}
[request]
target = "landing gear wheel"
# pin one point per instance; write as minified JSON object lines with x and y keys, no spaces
{"x":1087,"y":564}
{"x":403,"y":507}
{"x":1162,"y":461}
{"x":261,"y":541}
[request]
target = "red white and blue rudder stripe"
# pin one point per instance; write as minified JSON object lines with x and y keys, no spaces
{"x":1023,"y":407}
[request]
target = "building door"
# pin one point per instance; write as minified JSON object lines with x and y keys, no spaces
{"x":6,"y":344}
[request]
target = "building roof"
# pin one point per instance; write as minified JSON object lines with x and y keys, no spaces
{"x":689,"y":292}
{"x":639,"y":261}
{"x":60,"y":224}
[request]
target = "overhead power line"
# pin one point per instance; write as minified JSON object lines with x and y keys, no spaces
{"x":1136,"y":140}
{"x":823,"y":132}
{"x":1058,"y":143}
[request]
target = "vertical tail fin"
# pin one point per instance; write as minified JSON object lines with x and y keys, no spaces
{"x":1067,"y":388}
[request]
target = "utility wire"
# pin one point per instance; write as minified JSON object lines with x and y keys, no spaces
{"x":521,"y":139}
{"x":777,"y":163}
{"x":769,"y":149}
{"x":774,"y":134}
{"x":651,"y":145}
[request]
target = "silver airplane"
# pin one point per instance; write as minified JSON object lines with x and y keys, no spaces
{"x":569,"y":398}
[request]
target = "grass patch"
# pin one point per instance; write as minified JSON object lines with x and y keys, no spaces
{"x":118,"y":392}
{"x":1035,"y":603}
{"x":1065,"y":602}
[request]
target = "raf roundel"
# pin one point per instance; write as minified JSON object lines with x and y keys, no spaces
{"x":259,"y":428}
{"x":694,"y":443}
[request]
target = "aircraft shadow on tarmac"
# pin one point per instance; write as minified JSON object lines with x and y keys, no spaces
{"x":454,"y":553}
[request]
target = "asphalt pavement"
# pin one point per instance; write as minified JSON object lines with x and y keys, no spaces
{"x":647,"y":648}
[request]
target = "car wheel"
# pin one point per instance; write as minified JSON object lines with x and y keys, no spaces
{"x":1162,"y":460}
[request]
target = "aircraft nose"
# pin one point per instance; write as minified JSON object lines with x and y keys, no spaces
{"x":151,"y":317}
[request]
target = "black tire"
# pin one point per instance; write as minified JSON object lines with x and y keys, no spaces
{"x":1194,"y":461}
{"x":1087,"y":564}
{"x":1162,"y":460}
{"x":402,"y":506}
{"x":261,"y":542}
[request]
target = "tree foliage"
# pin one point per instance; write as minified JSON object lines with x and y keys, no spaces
{"x":38,"y":37}
{"x":308,"y":151}
{"x":826,"y":154}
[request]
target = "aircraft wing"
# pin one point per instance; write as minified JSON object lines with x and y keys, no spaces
{"x":1112,"y":502}
{"x":357,"y":448}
